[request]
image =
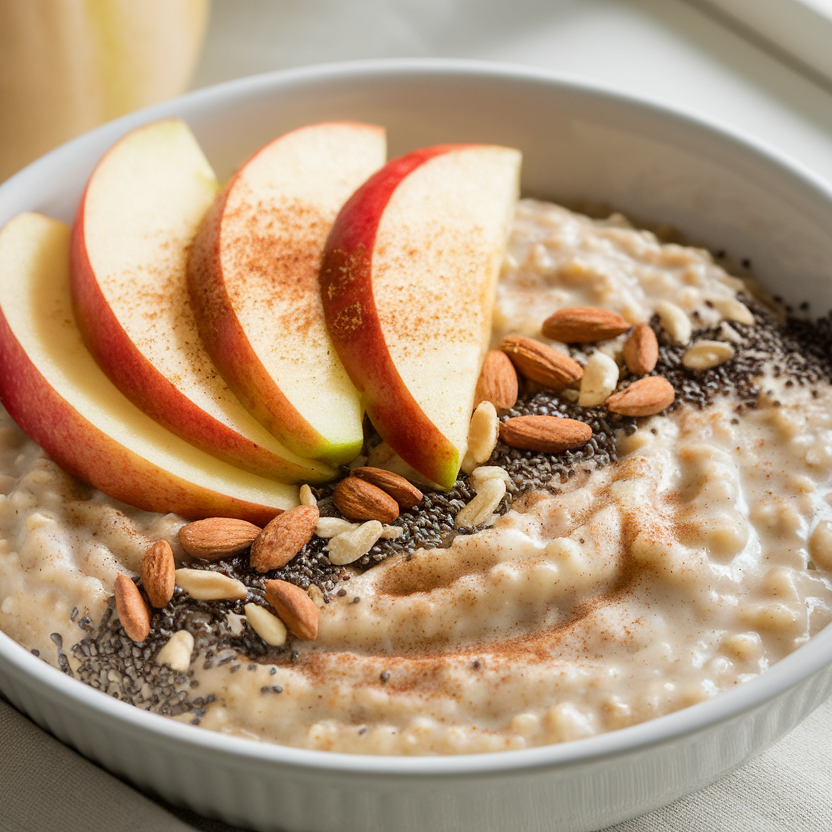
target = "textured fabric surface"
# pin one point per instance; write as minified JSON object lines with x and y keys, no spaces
{"x":787,"y":788}
{"x":47,"y":787}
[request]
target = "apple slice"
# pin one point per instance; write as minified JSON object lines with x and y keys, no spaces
{"x":135,"y":224}
{"x":253,"y":278}
{"x":60,"y":397}
{"x":408,"y":282}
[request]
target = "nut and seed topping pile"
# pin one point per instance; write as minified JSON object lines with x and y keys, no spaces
{"x":543,"y":411}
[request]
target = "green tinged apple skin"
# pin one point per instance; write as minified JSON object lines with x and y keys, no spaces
{"x":354,"y":327}
{"x":226,"y":343}
{"x":149,"y":390}
{"x":84,"y":451}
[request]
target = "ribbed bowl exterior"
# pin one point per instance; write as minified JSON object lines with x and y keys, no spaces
{"x":269,"y":795}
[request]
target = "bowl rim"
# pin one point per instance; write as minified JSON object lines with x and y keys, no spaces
{"x":806,"y":661}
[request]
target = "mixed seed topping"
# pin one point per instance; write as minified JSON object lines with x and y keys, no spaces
{"x":544,"y":415}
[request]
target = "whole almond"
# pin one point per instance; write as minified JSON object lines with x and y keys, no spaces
{"x":132,"y":610}
{"x":217,"y":537}
{"x":158,"y":576}
{"x":497,"y":382}
{"x":641,"y":350}
{"x":583,"y":325}
{"x":358,"y":499}
{"x":283,"y":538}
{"x":401,"y":490}
{"x":541,"y":363}
{"x":545,"y":434}
{"x":645,"y":397}
{"x":294,"y":608}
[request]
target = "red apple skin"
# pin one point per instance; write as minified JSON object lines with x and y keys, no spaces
{"x":355,"y":329}
{"x":87,"y":453}
{"x":220,"y":330}
{"x":224,"y":335}
{"x":150,"y":391}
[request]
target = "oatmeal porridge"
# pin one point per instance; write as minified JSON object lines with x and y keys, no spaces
{"x":669,"y":557}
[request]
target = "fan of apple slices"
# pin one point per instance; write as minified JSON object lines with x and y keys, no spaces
{"x":225,"y":344}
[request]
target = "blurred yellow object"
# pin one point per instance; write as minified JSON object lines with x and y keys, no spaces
{"x":68,"y":65}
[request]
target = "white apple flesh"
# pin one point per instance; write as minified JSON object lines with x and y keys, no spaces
{"x":253,"y":279}
{"x":407,"y":284}
{"x":58,"y":395}
{"x":134,"y":227}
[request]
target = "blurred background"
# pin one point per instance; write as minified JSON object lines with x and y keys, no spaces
{"x":761,"y":66}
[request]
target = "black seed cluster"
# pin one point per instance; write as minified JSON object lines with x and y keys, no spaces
{"x":794,"y":349}
{"x":109,"y":661}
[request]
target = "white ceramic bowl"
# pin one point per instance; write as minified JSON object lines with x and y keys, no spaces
{"x":581,"y":143}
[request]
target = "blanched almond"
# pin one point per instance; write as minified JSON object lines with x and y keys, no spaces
{"x":158,"y":568}
{"x":703,"y":355}
{"x":545,"y":434}
{"x":177,"y":651}
{"x":497,"y":382}
{"x":599,"y":380}
{"x":486,"y":472}
{"x":283,"y":538}
{"x":132,"y":610}
{"x":675,"y":321}
{"x":485,"y":503}
{"x":349,"y":546}
{"x":268,"y":626}
{"x":735,"y":310}
{"x":217,"y":537}
{"x":541,"y":363}
{"x":306,"y":496}
{"x":358,"y":499}
{"x":401,"y":490}
{"x":641,"y":350}
{"x":483,"y":433}
{"x":330,"y":526}
{"x":294,"y":608}
{"x":584,"y":325}
{"x":645,"y":397}
{"x":205,"y":585}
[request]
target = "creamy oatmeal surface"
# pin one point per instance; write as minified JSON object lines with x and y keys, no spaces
{"x":683,"y":556}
